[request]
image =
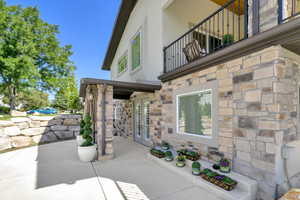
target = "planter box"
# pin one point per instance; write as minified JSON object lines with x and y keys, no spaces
{"x":158,"y":155}
{"x":219,"y":183}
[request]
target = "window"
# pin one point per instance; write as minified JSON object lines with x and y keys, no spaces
{"x":122,"y":64}
{"x":137,"y":119}
{"x":147,"y":120}
{"x":136,"y":52}
{"x":194,"y":113}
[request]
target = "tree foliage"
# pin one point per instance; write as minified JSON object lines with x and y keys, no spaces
{"x":32,"y":99}
{"x":67,"y":97}
{"x":30,"y":53}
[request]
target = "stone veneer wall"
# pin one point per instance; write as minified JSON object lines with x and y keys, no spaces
{"x":258,"y":99}
{"x":122,"y":125}
{"x":25,"y":131}
{"x":154,"y":113}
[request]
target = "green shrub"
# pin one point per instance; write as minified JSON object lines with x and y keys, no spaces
{"x":82,"y":124}
{"x":228,"y":39}
{"x":168,"y":154}
{"x":4,"y":110}
{"x":180,"y":159}
{"x":87,"y":132}
{"x":196,"y":165}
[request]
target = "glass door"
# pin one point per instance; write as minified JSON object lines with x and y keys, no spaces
{"x":142,"y":122}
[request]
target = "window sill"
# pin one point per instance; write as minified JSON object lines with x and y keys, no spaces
{"x":206,"y":140}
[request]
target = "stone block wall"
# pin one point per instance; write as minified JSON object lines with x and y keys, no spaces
{"x":257,"y":112}
{"x":98,"y":109}
{"x":25,"y":131}
{"x":122,"y":118}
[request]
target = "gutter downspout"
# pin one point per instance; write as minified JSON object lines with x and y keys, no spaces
{"x":103,"y":120}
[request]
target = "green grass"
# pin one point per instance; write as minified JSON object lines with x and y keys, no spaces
{"x":5,"y":117}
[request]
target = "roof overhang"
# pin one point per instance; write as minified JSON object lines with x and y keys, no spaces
{"x":119,"y":27}
{"x":121,"y":90}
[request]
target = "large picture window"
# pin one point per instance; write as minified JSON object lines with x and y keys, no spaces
{"x":194,"y":113}
{"x":136,"y":51}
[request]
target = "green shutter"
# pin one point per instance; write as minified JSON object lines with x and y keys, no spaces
{"x":136,"y":51}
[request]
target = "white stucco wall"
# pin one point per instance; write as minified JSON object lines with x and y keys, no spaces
{"x":146,"y":17}
{"x":160,"y":23}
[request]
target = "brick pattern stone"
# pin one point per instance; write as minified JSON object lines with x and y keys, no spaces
{"x":257,"y":111}
{"x":122,"y":118}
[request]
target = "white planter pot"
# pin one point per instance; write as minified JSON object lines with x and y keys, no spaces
{"x":79,"y":140}
{"x":87,"y":154}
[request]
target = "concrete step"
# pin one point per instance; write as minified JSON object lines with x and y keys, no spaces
{"x":245,"y":190}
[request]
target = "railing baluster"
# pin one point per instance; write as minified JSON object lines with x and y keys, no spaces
{"x":208,"y":35}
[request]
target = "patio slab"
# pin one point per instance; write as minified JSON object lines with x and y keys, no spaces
{"x":53,"y":171}
{"x":132,"y":166}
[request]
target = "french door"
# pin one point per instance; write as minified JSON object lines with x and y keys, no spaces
{"x":141,"y":122}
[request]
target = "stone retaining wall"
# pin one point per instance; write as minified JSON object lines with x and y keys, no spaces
{"x":25,"y":131}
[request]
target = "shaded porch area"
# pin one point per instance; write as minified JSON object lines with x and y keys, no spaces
{"x":99,"y":96}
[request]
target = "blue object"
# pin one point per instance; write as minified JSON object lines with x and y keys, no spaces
{"x":43,"y":111}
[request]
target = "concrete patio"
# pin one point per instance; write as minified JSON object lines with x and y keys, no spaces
{"x":53,"y":171}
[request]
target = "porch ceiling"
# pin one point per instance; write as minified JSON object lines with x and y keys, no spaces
{"x":121,"y":90}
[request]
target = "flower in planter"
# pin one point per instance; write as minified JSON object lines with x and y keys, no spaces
{"x":158,"y":153}
{"x":165,"y":145}
{"x":216,"y":166}
{"x":224,"y":165}
{"x":228,"y":39}
{"x":196,"y":168}
{"x":168,"y":156}
{"x":180,"y":161}
{"x":181,"y":152}
{"x":192,"y":155}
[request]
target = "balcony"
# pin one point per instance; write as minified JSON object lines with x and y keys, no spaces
{"x":224,"y":23}
{"x":289,"y":10}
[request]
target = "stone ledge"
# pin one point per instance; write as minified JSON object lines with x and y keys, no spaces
{"x":246,"y":189}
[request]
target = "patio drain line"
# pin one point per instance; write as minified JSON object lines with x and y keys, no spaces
{"x":98,"y":179}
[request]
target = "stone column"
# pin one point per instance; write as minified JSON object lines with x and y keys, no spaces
{"x":108,"y":152}
{"x":86,"y":100}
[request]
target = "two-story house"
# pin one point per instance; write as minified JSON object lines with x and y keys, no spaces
{"x":217,"y":76}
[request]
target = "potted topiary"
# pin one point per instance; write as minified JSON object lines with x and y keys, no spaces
{"x":87,"y":150}
{"x":180,"y":161}
{"x":224,"y":165}
{"x":168,"y":156}
{"x":196,"y":166}
{"x":79,"y":137}
{"x":165,"y":145}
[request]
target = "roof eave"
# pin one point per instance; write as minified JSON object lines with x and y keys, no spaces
{"x":118,"y":30}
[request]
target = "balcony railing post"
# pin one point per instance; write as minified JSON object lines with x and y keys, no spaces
{"x":165,"y":60}
{"x":280,"y":12}
{"x":246,"y":18}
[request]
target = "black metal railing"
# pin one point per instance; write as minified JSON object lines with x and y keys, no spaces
{"x":288,"y":9}
{"x":227,"y":25}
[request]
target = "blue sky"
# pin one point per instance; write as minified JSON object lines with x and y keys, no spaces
{"x":85,"y":24}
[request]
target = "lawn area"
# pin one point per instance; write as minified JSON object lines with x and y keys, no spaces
{"x":8,"y":117}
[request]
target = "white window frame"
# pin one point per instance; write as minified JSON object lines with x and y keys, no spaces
{"x":212,"y":140}
{"x":177,"y":111}
{"x":141,"y":50}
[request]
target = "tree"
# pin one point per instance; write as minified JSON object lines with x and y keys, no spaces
{"x":33,"y":99}
{"x":30,"y":53}
{"x":67,"y":97}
